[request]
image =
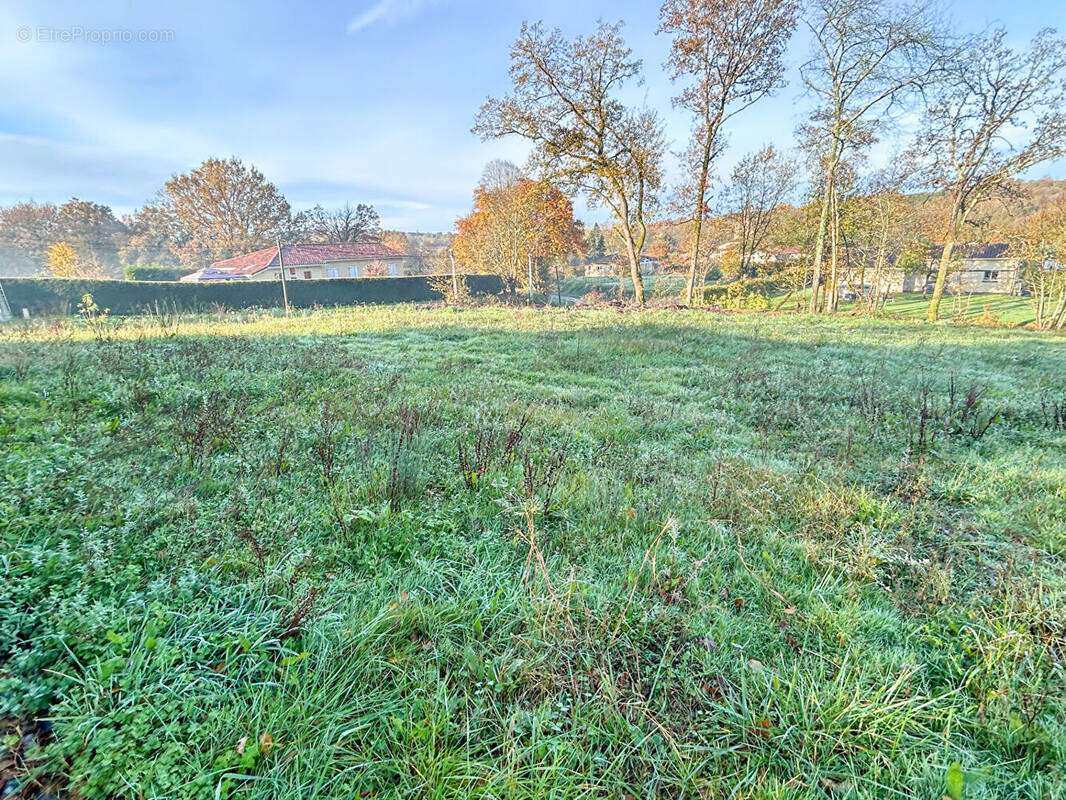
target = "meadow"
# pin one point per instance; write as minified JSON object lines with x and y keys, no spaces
{"x":531,"y":553}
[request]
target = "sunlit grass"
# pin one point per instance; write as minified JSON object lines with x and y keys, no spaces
{"x":728,"y":555}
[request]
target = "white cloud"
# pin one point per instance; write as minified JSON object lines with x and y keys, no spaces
{"x":389,"y":11}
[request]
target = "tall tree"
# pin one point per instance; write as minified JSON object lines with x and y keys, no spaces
{"x":27,"y":230}
{"x":759,"y":186}
{"x":359,"y":223}
{"x":153,"y":235}
{"x":597,"y":246}
{"x":998,"y":112}
{"x":729,"y":53}
{"x":585,"y":140}
{"x":224,"y":208}
{"x":867,"y":54}
{"x":94,"y":233}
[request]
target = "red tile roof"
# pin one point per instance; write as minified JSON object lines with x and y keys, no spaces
{"x":303,"y":255}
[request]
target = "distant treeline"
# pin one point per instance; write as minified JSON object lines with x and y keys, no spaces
{"x":43,"y":296}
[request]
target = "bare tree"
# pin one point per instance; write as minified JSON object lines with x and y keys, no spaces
{"x":868,"y":53}
{"x":730,"y":54}
{"x":997,"y":113}
{"x":882,"y":233}
{"x":349,"y":223}
{"x":499,"y":175}
{"x":564,"y":100}
{"x":759,"y":185}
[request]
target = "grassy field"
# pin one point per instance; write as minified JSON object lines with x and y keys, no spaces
{"x":514,"y":553}
{"x":988,"y":309}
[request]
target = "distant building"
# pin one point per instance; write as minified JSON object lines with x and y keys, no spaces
{"x":614,"y":265}
{"x":979,"y":268}
{"x":308,"y":262}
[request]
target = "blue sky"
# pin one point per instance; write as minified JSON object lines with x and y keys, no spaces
{"x":361,"y":101}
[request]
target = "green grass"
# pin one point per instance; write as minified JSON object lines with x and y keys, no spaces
{"x":662,"y":285}
{"x":991,"y":309}
{"x":685,"y":555}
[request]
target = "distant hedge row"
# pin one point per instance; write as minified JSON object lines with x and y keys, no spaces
{"x":44,"y":296}
{"x":153,"y":272}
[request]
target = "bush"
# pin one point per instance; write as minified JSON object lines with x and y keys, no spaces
{"x":742,"y":295}
{"x":60,"y":296}
{"x":153,"y":272}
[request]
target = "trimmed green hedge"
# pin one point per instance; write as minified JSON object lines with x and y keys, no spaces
{"x":153,"y":272}
{"x":44,"y":296}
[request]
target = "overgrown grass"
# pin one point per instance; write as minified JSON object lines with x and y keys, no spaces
{"x":508,"y":553}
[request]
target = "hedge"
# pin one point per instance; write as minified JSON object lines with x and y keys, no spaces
{"x":43,"y":296}
{"x":153,"y":272}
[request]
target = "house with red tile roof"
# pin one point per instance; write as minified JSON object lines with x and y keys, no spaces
{"x":312,"y":261}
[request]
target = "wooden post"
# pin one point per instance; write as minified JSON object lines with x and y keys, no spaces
{"x":455,"y":278}
{"x":284,"y":288}
{"x":530,"y":256}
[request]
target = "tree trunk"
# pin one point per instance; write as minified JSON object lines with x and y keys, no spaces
{"x":933,"y":311}
{"x":634,"y":269}
{"x":819,"y":242}
{"x":701,"y":191}
{"x":833,"y":289}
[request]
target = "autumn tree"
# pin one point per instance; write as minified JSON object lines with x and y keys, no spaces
{"x":728,"y":54}
{"x":565,"y":101}
{"x":27,"y":230}
{"x":867,"y":55}
{"x":224,"y":208}
{"x":359,"y":223}
{"x":758,"y":187}
{"x":1042,"y":245}
{"x":90,"y":229}
{"x":63,"y":262}
{"x":996,"y":113}
{"x":153,"y":235}
{"x":509,"y":228}
{"x":94,"y":233}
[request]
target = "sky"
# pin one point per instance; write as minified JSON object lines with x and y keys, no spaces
{"x":366,"y":101}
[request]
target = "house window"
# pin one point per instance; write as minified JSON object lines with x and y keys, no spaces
{"x":331,"y":272}
{"x":991,"y":275}
{"x":353,"y":272}
{"x":392,"y":269}
{"x":307,"y":274}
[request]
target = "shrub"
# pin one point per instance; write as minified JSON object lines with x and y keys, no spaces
{"x":742,"y":295}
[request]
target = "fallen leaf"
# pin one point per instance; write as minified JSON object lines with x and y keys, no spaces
{"x":708,"y":643}
{"x":266,"y":741}
{"x":790,"y":610}
{"x":738,"y":603}
{"x":755,"y":665}
{"x":835,"y":785}
{"x":240,"y":745}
